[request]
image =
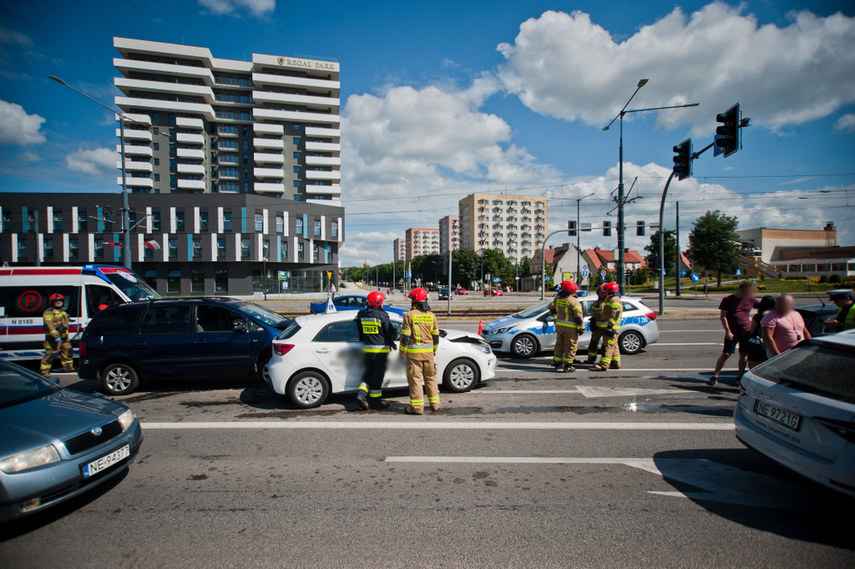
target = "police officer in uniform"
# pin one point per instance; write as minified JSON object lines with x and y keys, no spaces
{"x":378,"y":337}
{"x":597,"y":325}
{"x":419,"y":342}
{"x":845,"y":319}
{"x":567,"y":312}
{"x":612,"y":313}
{"x":56,"y":336}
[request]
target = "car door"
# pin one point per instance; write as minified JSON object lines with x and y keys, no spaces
{"x":164,"y":346}
{"x":396,"y":370}
{"x":546,"y":336}
{"x":585,"y":336}
{"x":339,"y":353}
{"x":222,"y":342}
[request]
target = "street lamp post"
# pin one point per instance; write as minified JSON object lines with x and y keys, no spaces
{"x":579,"y":239}
{"x":621,"y":201}
{"x":126,"y":209}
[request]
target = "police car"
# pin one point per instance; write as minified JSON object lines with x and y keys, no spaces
{"x":526,"y":333}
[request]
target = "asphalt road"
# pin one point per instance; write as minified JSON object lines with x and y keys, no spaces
{"x":632,"y":468}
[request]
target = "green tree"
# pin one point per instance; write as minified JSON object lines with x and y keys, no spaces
{"x":466,"y":267}
{"x":711,"y":242}
{"x":670,"y":249}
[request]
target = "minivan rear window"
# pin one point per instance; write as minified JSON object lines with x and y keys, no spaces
{"x":813,"y":368}
{"x":118,"y":321}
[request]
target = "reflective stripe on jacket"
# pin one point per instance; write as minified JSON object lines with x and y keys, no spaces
{"x":375,"y":330}
{"x":56,"y":322}
{"x":612,"y":312}
{"x":419,"y":333}
{"x":567,"y":312}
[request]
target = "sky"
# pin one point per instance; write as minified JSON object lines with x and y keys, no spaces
{"x":442,"y":99}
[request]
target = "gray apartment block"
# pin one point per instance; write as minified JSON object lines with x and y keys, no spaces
{"x":182,"y":244}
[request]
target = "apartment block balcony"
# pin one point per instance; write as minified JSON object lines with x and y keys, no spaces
{"x":321,"y":132}
{"x":135,"y":134}
{"x":272,"y":143}
{"x":136,"y":182}
{"x":191,"y":153}
{"x":268,"y":158}
{"x":132,"y":118}
{"x":131,"y":166}
{"x":185,"y":122}
{"x":268,"y":173}
{"x":269,"y":79}
{"x":333,"y":190}
{"x":135,"y":150}
{"x":267,"y":128}
{"x":310,"y":101}
{"x":176,"y":89}
{"x":323,"y":146}
{"x":317,"y":175}
{"x":127,"y":66}
{"x":191,"y":184}
{"x":203,"y":109}
{"x":323,"y":161}
{"x":227,"y":146}
{"x":295,"y":116}
{"x":188,"y":138}
{"x":268,"y":188}
{"x":197,"y":169}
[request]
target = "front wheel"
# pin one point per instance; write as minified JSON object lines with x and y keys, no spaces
{"x":119,"y":379}
{"x":460,"y":376}
{"x":523,"y":346}
{"x":630,"y":342}
{"x":308,"y":390}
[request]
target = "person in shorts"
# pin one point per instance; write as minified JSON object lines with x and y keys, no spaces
{"x":756,"y":348}
{"x":735,"y":311}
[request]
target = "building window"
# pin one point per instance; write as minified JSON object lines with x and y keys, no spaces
{"x":265,"y":249}
{"x":150,"y":277}
{"x":317,"y":228}
{"x":299,"y":225}
{"x":316,"y":253}
{"x":179,"y":221}
{"x":197,"y":280}
{"x":48,"y":249}
{"x":173,"y":180}
{"x":203,"y":221}
{"x":227,"y":221}
{"x":297,"y":183}
{"x":296,"y":155}
{"x":221,"y":280}
{"x":155,"y":221}
{"x":246,"y":173}
{"x":22,"y":249}
{"x":99,"y":248}
{"x":57,"y":221}
{"x":173,"y":248}
{"x":246,"y":158}
{"x":296,"y":140}
{"x":244,"y":248}
{"x":156,"y":146}
{"x":246,"y":187}
{"x":172,"y":150}
{"x":171,"y":120}
{"x":82,"y":221}
{"x":300,"y":253}
{"x":297,"y":169}
{"x":173,"y":281}
{"x":280,"y":224}
{"x":246,"y":145}
{"x":221,"y":249}
{"x":197,"y":248}
{"x":295,"y":126}
{"x":283,"y":252}
{"x":73,"y":248}
{"x":259,"y":222}
{"x":334,"y":230}
{"x":157,"y":177}
{"x":157,"y":161}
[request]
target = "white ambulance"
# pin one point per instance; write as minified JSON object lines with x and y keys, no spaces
{"x":24,"y":294}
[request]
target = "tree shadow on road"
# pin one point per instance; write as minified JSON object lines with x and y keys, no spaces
{"x":751,"y":490}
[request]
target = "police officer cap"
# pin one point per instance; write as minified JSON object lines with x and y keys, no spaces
{"x":840,"y":293}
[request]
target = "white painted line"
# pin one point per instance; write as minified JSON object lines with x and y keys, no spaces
{"x":441,"y":425}
{"x":686,"y":344}
{"x":641,"y":463}
{"x":529,"y":391}
{"x":592,"y":392}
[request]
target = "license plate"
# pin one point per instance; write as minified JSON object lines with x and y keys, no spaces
{"x":106,"y":462}
{"x":789,"y":420}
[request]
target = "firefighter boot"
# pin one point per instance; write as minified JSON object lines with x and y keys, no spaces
{"x":362,"y":399}
{"x":568,"y":367}
{"x":410,"y":410}
{"x":378,"y":404}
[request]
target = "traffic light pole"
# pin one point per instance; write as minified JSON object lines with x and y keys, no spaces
{"x":678,"y":291}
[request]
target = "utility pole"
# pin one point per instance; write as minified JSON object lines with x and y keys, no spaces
{"x":677,"y":246}
{"x":449,"y":281}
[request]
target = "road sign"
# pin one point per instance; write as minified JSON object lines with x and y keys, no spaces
{"x":329,"y":275}
{"x":546,"y":278}
{"x":695,"y":277}
{"x":738,"y":272}
{"x":603,"y":273}
{"x":497,"y":280}
{"x":283,"y":275}
{"x":567,"y":276}
{"x":584,"y":270}
{"x":682,"y":274}
{"x":284,"y":285}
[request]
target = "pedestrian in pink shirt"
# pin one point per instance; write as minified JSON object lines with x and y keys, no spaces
{"x":783,"y":327}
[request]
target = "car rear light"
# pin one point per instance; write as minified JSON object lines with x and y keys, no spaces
{"x":282,"y":349}
{"x":651,"y":315}
{"x":81,"y":348}
{"x":845,"y":429}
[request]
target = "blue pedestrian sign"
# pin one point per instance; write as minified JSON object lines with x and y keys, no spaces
{"x":682,"y":274}
{"x":695,"y":277}
{"x":603,"y":273}
{"x":497,"y":280}
{"x":584,"y":270}
{"x":738,"y":272}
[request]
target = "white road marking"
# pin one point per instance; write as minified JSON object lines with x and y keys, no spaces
{"x":530,"y":391}
{"x":443,"y":425}
{"x":592,"y":392}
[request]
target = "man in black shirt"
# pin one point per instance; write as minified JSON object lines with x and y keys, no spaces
{"x":378,"y":337}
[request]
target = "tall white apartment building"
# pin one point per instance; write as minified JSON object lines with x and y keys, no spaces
{"x":421,"y":241}
{"x":399,"y":247}
{"x":515,"y":225}
{"x":449,"y":234}
{"x":200,"y":124}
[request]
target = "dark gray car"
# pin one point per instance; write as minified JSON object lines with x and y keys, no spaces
{"x":57,"y":443}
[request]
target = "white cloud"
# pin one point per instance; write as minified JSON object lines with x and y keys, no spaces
{"x":257,"y":8}
{"x":29,"y":157}
{"x":17,"y":127}
{"x":430,"y":142}
{"x":846,"y":123}
{"x":92,"y":162}
{"x":566,"y":66}
{"x":13,"y":37}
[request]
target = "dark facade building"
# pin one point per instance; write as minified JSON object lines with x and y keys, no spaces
{"x":182,"y":244}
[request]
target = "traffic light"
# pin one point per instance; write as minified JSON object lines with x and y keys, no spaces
{"x":653,"y":261}
{"x":683,"y":159}
{"x":607,"y":229}
{"x":728,"y":132}
{"x":571,"y":228}
{"x":639,"y":228}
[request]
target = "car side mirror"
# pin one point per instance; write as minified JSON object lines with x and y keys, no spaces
{"x":549,"y":318}
{"x":239,"y":327}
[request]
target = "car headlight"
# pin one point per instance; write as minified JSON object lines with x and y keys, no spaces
{"x":483,"y":348}
{"x":503,"y":330}
{"x":29,"y":460}
{"x":127,"y":419}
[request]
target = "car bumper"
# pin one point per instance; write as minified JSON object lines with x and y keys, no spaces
{"x":499,"y":342}
{"x":838,"y":474}
{"x":61,"y":481}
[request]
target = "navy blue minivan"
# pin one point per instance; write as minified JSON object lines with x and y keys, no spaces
{"x":170,"y":339}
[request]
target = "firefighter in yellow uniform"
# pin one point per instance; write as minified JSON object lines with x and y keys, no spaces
{"x":56,"y":336}
{"x":567,"y":311}
{"x":612,"y":314}
{"x":597,"y":324}
{"x":419,"y":342}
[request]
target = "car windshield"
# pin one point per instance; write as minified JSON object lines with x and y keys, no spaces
{"x":133,"y":287}
{"x":533,"y":311}
{"x":263,"y":314}
{"x":814,"y":368}
{"x":18,"y":385}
